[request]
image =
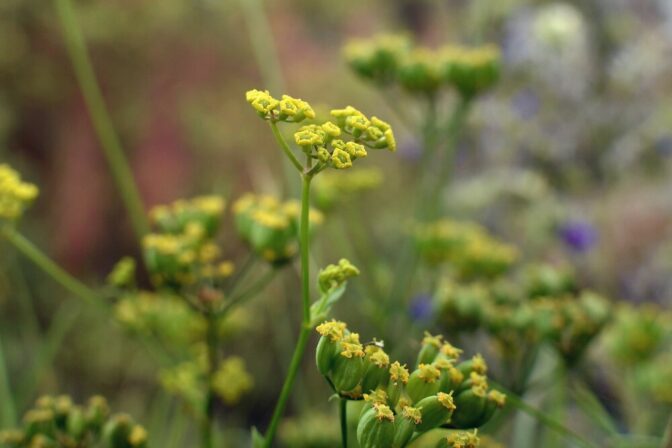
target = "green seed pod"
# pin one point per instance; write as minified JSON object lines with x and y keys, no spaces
{"x":378,"y":396}
{"x":42,"y":441}
{"x":451,"y":378}
{"x":423,"y":382}
{"x":470,"y":410}
{"x":39,"y":421}
{"x":405,"y":425}
{"x":117,"y":430}
{"x":460,"y":439}
{"x":329,"y":346}
{"x":377,"y":365}
{"x":76,"y":423}
{"x":376,"y":427}
{"x":398,"y":379}
{"x":496,"y":400}
{"x":436,"y":411}
{"x":431,"y":346}
{"x":476,"y":364}
{"x":348,"y":367}
{"x":97,"y":412}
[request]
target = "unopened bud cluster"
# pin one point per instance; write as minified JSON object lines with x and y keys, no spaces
{"x":465,"y":246}
{"x":182,"y":251}
{"x":440,"y":392}
{"x":270,"y":227}
{"x":387,"y":60}
{"x":542,"y":304}
{"x":56,"y":422}
{"x":15,"y":195}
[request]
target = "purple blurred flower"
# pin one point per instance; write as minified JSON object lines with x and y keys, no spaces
{"x":421,"y":307}
{"x":580,"y":236}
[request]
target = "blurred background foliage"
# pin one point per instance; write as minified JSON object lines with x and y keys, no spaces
{"x":568,"y":158}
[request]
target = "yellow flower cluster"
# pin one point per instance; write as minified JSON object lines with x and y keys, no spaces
{"x":461,"y":439}
{"x":466,"y":246}
{"x":270,"y":226}
{"x":334,"y":275}
{"x":15,"y":195}
{"x":388,"y":59}
{"x":288,"y":109}
{"x":231,"y":380}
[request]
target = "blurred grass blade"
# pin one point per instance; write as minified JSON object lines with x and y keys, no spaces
{"x":102,"y":123}
{"x":7,"y":407}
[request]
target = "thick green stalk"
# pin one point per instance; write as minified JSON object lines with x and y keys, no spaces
{"x":300,"y":348}
{"x":343,"y":412}
{"x":47,"y":265}
{"x":102,"y":123}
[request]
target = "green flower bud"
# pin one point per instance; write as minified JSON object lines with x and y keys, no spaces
{"x":348,"y":367}
{"x":12,"y":438}
{"x":117,"y":431}
{"x":328,"y":348}
{"x":97,"y":412}
{"x":476,"y":364}
{"x":460,"y":439}
{"x":419,"y":72}
{"x":76,"y":423}
{"x":334,"y":275}
{"x":378,"y":396}
{"x":431,"y":345}
{"x":376,"y":427}
{"x":451,"y":377}
{"x":423,"y":382}
{"x":405,"y":425}
{"x":398,"y":379}
{"x":39,"y":421}
{"x":436,"y":411}
{"x":377,"y":364}
{"x":43,"y":441}
{"x":471,"y":404}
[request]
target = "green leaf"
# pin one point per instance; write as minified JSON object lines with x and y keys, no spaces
{"x":258,"y":440}
{"x":322,"y":307}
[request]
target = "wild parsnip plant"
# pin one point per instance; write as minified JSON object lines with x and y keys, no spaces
{"x":336,"y":144}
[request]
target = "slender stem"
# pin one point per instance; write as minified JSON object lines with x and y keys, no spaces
{"x":252,"y":291}
{"x":304,"y":334}
{"x":550,"y":422}
{"x":7,"y":407}
{"x":213,"y":360}
{"x":343,"y":412}
{"x":47,"y":265}
{"x":102,"y":123}
{"x":285,"y":147}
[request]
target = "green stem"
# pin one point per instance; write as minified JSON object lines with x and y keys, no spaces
{"x":343,"y":412}
{"x":667,"y":440}
{"x":248,"y":293}
{"x":304,"y":334}
{"x":213,"y":359}
{"x":550,"y":422}
{"x":7,"y":407}
{"x":102,"y":123}
{"x":47,"y":265}
{"x":453,"y":133}
{"x":285,"y":147}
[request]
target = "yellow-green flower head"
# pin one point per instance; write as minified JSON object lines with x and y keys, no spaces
{"x":377,"y":59}
{"x":412,"y":414}
{"x":446,"y":400}
{"x":335,"y":275}
{"x":198,"y":217}
{"x":262,"y":102}
{"x":377,"y":356}
{"x":294,"y":110}
{"x":419,"y":71}
{"x":334,"y":330}
{"x":288,"y":109}
{"x":311,"y":135}
{"x":479,"y":384}
{"x":231,"y":380}
{"x":436,"y":341}
{"x":340,"y":159}
{"x":351,"y":120}
{"x":378,"y":396}
{"x":470,"y":70}
{"x":123,"y":273}
{"x":478,"y":364}
{"x":138,"y":436}
{"x":352,"y":348}
{"x":450,"y":351}
{"x":331,"y":129}
{"x":269,"y":226}
{"x":428,"y":373}
{"x":461,"y":439}
{"x":15,"y":195}
{"x":497,"y":397}
{"x":398,"y":373}
{"x":383,"y":412}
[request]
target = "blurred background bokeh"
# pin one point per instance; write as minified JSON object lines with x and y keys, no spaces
{"x":568,"y":157}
